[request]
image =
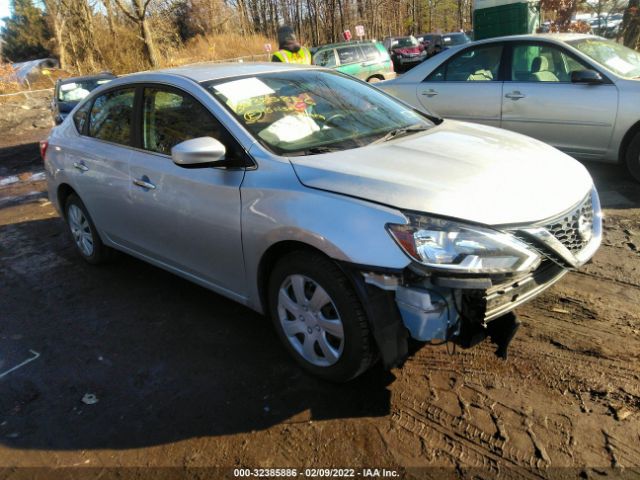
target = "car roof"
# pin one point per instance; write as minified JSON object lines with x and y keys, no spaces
{"x":203,"y":72}
{"x":86,"y":77}
{"x":558,"y":37}
{"x":344,"y":44}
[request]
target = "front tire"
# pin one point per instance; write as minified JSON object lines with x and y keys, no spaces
{"x":633,"y":157}
{"x":83,"y":232}
{"x":319,"y":318}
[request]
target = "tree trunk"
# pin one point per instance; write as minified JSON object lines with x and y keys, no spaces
{"x":631,"y":22}
{"x":149,"y":47}
{"x":58,"y":30}
{"x":109,"y":10}
{"x":57,"y":23}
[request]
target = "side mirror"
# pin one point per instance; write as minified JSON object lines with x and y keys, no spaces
{"x":199,"y":152}
{"x":58,"y":120}
{"x":586,"y":76}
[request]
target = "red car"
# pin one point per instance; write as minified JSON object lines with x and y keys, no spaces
{"x":405,"y":52}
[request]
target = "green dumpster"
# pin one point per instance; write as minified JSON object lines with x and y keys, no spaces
{"x":496,"y":18}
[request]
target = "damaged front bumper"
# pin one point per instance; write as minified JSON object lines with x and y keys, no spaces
{"x":431,"y":307}
{"x":466,"y":309}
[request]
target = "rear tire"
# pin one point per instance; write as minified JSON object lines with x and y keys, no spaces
{"x":83,"y":232}
{"x":319,"y":318}
{"x":632,"y":157}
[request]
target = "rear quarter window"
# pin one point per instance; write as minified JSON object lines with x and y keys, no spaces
{"x":81,"y":116}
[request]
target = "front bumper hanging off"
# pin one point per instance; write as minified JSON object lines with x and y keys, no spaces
{"x":432,"y":308}
{"x":467,"y":309}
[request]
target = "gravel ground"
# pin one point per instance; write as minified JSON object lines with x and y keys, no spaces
{"x":130,"y":366}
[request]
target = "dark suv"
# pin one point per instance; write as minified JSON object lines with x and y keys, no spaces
{"x":436,"y":42}
{"x":69,"y":91}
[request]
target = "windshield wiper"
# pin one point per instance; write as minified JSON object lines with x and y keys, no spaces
{"x":316,"y":150}
{"x":398,"y":132}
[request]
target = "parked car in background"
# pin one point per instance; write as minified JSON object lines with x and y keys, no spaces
{"x":436,"y":42}
{"x":576,"y":92}
{"x":406,"y":52}
{"x":368,"y":61}
{"x":32,"y":69}
{"x":606,"y":26}
{"x":432,"y":42}
{"x":69,"y":91}
{"x":454,"y":39}
{"x":352,"y":220}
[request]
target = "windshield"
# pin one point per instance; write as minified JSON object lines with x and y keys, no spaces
{"x":456,"y":39}
{"x":617,"y":58}
{"x":76,"y":91}
{"x":407,"y":42}
{"x":313,"y":111}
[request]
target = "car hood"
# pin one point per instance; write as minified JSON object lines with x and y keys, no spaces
{"x":460,"y":170}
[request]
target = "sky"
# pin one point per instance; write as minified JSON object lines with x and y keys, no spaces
{"x":4,"y":10}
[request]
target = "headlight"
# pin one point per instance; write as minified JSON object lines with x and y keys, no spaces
{"x":458,"y":248}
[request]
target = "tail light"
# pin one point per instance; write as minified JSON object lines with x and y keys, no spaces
{"x":43,"y":148}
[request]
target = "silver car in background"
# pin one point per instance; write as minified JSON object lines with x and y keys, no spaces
{"x":578,"y":93}
{"x":351,"y":219}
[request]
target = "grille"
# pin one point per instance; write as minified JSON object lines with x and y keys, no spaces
{"x":566,"y":228}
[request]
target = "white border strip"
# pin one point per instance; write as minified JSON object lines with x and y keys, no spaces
{"x":25,"y":92}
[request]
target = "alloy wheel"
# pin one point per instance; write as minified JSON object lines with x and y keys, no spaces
{"x":81,"y":230}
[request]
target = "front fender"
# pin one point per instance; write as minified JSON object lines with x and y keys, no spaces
{"x":276,"y":207}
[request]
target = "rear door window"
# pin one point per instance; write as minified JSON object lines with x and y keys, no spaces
{"x":480,"y":64}
{"x":370,"y":52}
{"x":111,"y":116}
{"x":349,"y":55}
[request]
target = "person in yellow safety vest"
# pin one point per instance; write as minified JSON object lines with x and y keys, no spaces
{"x":290,"y":49}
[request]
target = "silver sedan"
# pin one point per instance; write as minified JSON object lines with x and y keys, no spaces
{"x":352,"y":220}
{"x":579,"y":93}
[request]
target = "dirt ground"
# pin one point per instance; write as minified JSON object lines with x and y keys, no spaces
{"x":185,"y":379}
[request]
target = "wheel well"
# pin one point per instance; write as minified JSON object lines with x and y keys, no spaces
{"x":377,"y":75}
{"x":628,"y":137}
{"x":64,"y":190}
{"x":269,"y":259}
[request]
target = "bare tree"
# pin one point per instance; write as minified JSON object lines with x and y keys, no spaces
{"x":109,"y":10}
{"x":56,"y":13}
{"x":137,"y":13}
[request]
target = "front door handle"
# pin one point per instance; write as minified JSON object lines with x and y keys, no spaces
{"x":145,"y":183}
{"x":515,"y":95}
{"x":430,"y":93}
{"x":80,"y":166}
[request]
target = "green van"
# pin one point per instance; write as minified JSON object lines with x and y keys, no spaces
{"x":367,"y":61}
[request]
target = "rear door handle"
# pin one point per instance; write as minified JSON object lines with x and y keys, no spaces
{"x":80,"y":166}
{"x":430,"y":93}
{"x":515,"y":95}
{"x":145,"y":183}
